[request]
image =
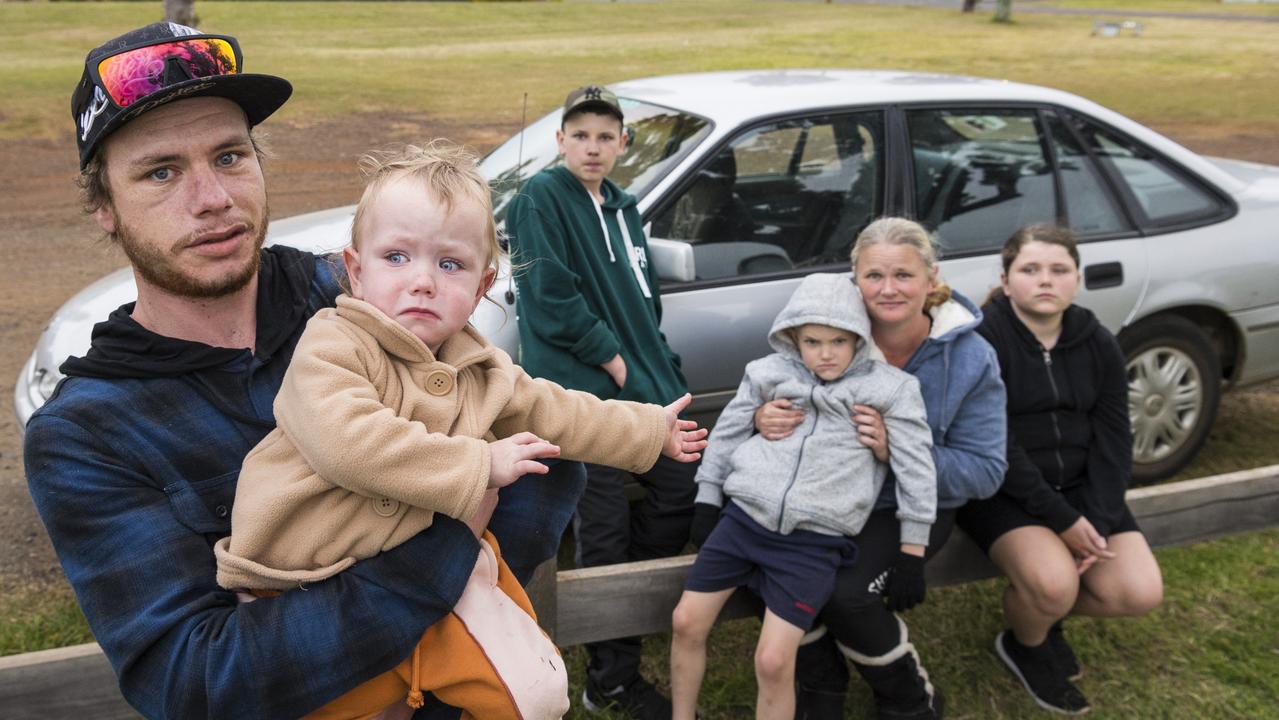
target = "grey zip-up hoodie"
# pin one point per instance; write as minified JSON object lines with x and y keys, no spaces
{"x":822,"y":478}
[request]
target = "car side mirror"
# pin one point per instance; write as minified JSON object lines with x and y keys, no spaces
{"x":672,"y":259}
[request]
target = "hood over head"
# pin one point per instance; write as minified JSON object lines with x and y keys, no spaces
{"x":821,"y":299}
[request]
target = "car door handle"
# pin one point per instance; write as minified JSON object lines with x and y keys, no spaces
{"x":1103,"y":275}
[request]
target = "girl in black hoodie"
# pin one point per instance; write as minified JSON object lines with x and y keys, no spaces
{"x":1059,"y":527}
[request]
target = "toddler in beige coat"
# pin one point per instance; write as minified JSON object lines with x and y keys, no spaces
{"x":393,"y":409}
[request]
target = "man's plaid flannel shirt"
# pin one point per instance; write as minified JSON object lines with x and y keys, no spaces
{"x":134,"y":475}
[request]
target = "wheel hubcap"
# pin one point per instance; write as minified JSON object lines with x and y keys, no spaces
{"x":1165,"y":401}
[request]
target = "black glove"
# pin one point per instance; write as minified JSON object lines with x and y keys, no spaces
{"x":705,"y":515}
{"x":905,"y":587}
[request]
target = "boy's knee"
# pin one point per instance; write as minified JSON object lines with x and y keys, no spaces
{"x":773,"y":665}
{"x":687,"y":626}
{"x":775,"y":659}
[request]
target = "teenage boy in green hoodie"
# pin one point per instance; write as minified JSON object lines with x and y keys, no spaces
{"x":589,"y":316}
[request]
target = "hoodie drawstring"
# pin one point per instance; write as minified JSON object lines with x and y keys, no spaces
{"x":640,"y":278}
{"x":630,"y":250}
{"x":415,"y":699}
{"x":599,"y":213}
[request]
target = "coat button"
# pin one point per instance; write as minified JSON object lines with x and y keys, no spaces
{"x":439,"y":382}
{"x":221,"y":511}
{"x":385,"y":507}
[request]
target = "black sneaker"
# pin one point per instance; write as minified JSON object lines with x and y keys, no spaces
{"x":1037,"y":670}
{"x":1066,"y":659}
{"x":637,"y":701}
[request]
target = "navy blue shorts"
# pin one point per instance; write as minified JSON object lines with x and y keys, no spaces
{"x":794,"y":574}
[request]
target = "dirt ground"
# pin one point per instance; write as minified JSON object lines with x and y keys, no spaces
{"x":51,"y":252}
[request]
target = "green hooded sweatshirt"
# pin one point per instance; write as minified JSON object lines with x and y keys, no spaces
{"x":582,"y":299}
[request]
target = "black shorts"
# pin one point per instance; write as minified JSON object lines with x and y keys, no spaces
{"x":985,"y":521}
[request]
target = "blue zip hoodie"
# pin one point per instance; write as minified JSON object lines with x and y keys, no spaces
{"x":958,"y":375}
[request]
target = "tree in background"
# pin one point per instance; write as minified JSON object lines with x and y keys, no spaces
{"x":181,"y":12}
{"x":1003,"y":11}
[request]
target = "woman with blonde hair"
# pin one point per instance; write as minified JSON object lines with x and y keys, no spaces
{"x":923,"y":327}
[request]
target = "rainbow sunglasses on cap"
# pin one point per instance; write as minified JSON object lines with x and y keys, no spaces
{"x":162,"y":62}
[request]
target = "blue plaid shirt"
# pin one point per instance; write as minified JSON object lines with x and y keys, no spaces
{"x":133,"y":465}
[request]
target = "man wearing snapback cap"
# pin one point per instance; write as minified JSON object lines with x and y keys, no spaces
{"x":133,"y":463}
{"x":589,"y":317}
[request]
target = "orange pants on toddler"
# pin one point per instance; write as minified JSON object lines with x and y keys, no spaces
{"x":488,"y":657}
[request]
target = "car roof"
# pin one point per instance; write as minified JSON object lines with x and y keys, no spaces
{"x":727,"y":96}
{"x":735,"y":98}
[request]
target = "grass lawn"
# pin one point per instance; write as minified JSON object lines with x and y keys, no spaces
{"x":466,"y":61}
{"x":1208,"y":652}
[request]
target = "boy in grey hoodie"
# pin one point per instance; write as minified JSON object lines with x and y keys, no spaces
{"x":793,"y":504}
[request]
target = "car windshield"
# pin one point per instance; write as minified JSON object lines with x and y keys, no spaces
{"x":659,"y":137}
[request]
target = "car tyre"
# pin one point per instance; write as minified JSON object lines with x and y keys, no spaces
{"x":1174,"y":390}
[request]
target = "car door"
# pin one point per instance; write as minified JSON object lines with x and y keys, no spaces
{"x":774,"y":202}
{"x":978,"y":173}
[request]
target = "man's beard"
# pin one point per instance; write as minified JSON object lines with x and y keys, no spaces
{"x":156,"y":266}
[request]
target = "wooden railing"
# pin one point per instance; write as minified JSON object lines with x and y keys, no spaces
{"x":637,"y":598}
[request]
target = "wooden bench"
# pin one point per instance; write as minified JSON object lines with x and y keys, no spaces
{"x":637,"y":598}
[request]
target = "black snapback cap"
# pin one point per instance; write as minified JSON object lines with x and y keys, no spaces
{"x":157,"y":64}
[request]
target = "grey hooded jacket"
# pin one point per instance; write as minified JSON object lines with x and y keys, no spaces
{"x":821,"y":478}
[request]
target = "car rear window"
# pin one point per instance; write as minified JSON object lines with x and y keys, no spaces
{"x":1160,"y":190}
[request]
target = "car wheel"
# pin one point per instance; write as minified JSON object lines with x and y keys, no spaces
{"x":1174,"y":389}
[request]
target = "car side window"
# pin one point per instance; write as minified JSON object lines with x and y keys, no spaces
{"x":1090,"y":208}
{"x":789,"y":194}
{"x":1162,"y":194}
{"x":980,"y":175}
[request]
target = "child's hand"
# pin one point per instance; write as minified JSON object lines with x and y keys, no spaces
{"x":1086,"y":544}
{"x":906,"y":587}
{"x":480,"y":520}
{"x":871,"y":431}
{"x":515,"y":456}
{"x":684,"y":440}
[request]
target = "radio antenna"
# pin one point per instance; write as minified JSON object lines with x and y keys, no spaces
{"x":519,"y":182}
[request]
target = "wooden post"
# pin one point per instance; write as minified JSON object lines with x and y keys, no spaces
{"x":542,"y":590}
{"x":68,"y":682}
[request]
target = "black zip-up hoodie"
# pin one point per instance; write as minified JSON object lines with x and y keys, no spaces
{"x":1068,"y":426}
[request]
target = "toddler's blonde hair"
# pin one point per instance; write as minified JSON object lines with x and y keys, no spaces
{"x":448,"y":172}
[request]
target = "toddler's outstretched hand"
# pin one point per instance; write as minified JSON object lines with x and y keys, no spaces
{"x":684,"y":440}
{"x":512,"y":457}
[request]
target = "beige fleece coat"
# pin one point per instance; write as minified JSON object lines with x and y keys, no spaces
{"x":374,"y":435}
